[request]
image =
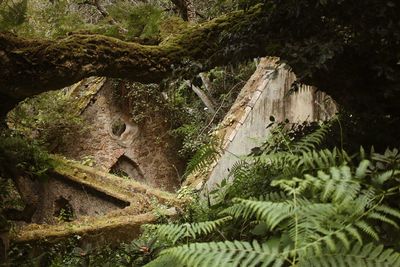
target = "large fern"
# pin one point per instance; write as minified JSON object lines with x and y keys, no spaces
{"x":322,"y":208}
{"x":226,"y":254}
{"x":321,"y":218}
{"x":237,"y":253}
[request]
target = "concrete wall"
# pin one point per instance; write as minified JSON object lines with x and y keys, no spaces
{"x":267,"y":93}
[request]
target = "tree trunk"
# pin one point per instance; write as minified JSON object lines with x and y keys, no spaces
{"x":186,"y":9}
{"x":208,"y":102}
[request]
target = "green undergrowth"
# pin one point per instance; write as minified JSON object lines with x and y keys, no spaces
{"x":19,"y":155}
{"x":52,"y":119}
{"x":294,"y":202}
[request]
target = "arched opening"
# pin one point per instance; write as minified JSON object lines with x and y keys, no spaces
{"x":63,"y":210}
{"x":128,"y":168}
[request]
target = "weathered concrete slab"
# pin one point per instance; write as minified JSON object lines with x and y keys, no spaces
{"x":267,"y":93}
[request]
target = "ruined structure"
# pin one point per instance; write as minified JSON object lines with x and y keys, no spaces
{"x":97,"y":201}
{"x":113,"y":206}
{"x":267,"y":93}
{"x":108,"y":186}
{"x":117,"y":144}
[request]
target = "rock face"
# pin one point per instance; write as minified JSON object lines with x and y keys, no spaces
{"x":118,"y":145}
{"x":267,"y":93}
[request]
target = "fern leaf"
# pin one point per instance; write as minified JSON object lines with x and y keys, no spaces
{"x":361,"y":171}
{"x":357,"y":256}
{"x":227,"y":254}
{"x":175,"y":232}
{"x":354,"y":233}
{"x":382,"y":218}
{"x":388,"y":210}
{"x":311,"y":141}
{"x":269,"y":212}
{"x":383,"y":177}
{"x":366,"y":228}
{"x":201,"y":160}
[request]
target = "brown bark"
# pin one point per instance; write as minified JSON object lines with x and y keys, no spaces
{"x":28,"y":67}
{"x":186,"y":9}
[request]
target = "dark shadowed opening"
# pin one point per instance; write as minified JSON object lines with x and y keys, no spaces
{"x":127,"y":167}
{"x":63,"y":210}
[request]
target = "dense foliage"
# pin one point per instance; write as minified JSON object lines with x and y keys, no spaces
{"x":301,"y":199}
{"x":298,"y":205}
{"x":51,"y":119}
{"x":295,"y":201}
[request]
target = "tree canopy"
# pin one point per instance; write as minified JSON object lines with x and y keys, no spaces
{"x":348,"y":48}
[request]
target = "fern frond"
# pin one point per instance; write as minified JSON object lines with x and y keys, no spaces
{"x":381,"y":178}
{"x":322,"y":160}
{"x":381,"y":217}
{"x":276,"y":197}
{"x":362,"y":169}
{"x":388,"y":210}
{"x":202,"y":159}
{"x":269,"y":212}
{"x":310,"y":141}
{"x":356,"y":255}
{"x":279,"y":160}
{"x":337,"y":185}
{"x":240,"y":170}
{"x":389,"y":157}
{"x":227,"y":254}
{"x":175,"y":232}
{"x":367,"y":228}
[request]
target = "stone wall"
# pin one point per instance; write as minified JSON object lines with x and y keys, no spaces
{"x":63,"y":200}
{"x":115,"y":143}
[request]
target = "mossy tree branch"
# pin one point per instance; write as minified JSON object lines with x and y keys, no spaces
{"x":29,"y":67}
{"x":350,"y":57}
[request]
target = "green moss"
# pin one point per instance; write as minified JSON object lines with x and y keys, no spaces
{"x":19,"y":155}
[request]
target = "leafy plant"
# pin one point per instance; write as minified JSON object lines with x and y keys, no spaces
{"x":175,"y":232}
{"x":12,"y":14}
{"x":140,"y":20}
{"x":203,"y":158}
{"x":324,"y":208}
{"x":51,"y":118}
{"x":19,"y":155}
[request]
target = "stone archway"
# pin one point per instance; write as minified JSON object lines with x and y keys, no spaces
{"x":127,"y":167}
